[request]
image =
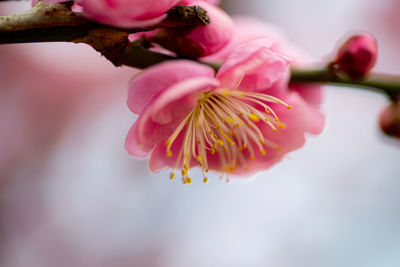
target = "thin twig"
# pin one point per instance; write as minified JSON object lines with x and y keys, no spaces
{"x":387,"y":84}
{"x":56,"y":22}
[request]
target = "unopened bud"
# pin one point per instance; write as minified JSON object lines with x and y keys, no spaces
{"x":201,"y":40}
{"x":390,"y":120}
{"x":357,"y":56}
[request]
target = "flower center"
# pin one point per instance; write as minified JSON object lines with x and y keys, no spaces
{"x":225,"y":127}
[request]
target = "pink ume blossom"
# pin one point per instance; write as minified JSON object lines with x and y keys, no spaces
{"x":357,"y":56}
{"x":238,"y":121}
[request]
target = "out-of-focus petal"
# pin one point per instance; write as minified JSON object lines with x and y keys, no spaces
{"x":127,"y":13}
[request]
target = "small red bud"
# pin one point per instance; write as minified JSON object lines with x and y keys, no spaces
{"x":390,"y":120}
{"x":357,"y":56}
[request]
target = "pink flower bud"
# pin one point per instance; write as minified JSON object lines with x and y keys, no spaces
{"x":357,"y":56}
{"x":199,"y":41}
{"x":390,"y":120}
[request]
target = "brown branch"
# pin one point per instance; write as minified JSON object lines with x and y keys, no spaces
{"x":47,"y":22}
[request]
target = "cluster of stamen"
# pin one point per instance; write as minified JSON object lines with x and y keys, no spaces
{"x":224,"y":124}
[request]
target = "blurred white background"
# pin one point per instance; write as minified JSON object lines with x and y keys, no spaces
{"x":71,"y":196}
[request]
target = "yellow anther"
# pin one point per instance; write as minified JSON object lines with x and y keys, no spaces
{"x":214,"y":125}
{"x":207,"y":170}
{"x":289,"y":107}
{"x":281,"y":125}
{"x":279,"y":148}
{"x":229,"y":120}
{"x":225,"y":92}
{"x":254,"y":117}
{"x":240,"y":94}
{"x":185,"y":166}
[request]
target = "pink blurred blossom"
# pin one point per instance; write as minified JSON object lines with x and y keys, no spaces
{"x":129,"y":13}
{"x":357,"y":56}
{"x":249,"y":28}
{"x":48,"y":1}
{"x":389,"y":120}
{"x":238,"y":121}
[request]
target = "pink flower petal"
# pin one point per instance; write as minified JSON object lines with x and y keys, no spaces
{"x":141,"y":144}
{"x":173,"y":104}
{"x":254,"y":66}
{"x":149,"y":83}
{"x":180,"y":99}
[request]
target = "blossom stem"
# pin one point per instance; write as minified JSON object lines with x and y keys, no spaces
{"x":56,"y":22}
{"x":388,"y":84}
